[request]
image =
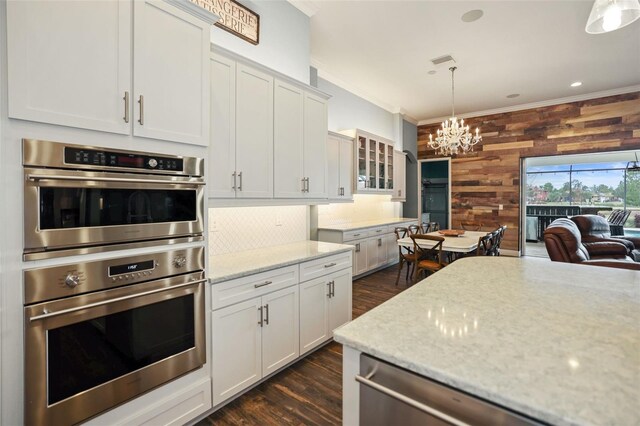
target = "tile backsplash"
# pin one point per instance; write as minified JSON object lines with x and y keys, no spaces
{"x":364,"y":207}
{"x":233,"y":229}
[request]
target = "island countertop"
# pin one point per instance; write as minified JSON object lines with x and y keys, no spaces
{"x":228,"y":266}
{"x":556,"y":341}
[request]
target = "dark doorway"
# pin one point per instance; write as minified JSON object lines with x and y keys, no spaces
{"x":435,"y":192}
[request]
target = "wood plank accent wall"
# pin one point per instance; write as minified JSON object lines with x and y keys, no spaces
{"x":490,"y":176}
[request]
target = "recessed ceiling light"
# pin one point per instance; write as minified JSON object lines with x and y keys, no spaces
{"x":432,"y":72}
{"x":513,"y":95}
{"x":576,"y":84}
{"x":472,"y":15}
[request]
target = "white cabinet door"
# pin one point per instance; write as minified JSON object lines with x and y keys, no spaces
{"x":171,"y":74}
{"x":315,"y":145}
{"x":360,"y":264}
{"x":382,"y":250}
{"x":314,"y":324}
{"x":391,"y":246}
{"x":69,"y":63}
{"x":333,"y":168}
{"x":288,"y":132}
{"x":236,"y":349}
{"x":222,"y":151}
{"x":373,"y":258}
{"x":400,"y":185}
{"x":340,"y":301}
{"x":346,"y":168}
{"x":254,"y":133}
{"x":280,"y":336}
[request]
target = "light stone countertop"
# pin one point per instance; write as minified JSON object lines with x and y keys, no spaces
{"x":555,"y":341}
{"x":228,"y":266}
{"x":352,"y":226}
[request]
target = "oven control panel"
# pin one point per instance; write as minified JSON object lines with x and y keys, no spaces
{"x":121,"y":159}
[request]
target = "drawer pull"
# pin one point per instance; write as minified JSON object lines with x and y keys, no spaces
{"x":356,"y":235}
{"x":263,"y":284}
{"x":330,"y":265}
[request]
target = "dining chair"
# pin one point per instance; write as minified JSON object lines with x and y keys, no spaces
{"x":499,"y":237}
{"x":434,"y":226}
{"x":427,"y":258}
{"x":426,"y":227}
{"x":414,"y":229}
{"x":405,"y":254}
{"x":485,"y":245}
{"x":470,"y":225}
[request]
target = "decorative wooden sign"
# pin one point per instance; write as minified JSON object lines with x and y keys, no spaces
{"x":235,"y":18}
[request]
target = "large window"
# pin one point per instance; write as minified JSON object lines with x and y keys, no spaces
{"x":598,"y":188}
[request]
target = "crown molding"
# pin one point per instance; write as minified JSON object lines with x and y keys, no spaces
{"x":195,"y":10}
{"x":540,"y":104}
{"x":308,"y":7}
{"x":352,"y":89}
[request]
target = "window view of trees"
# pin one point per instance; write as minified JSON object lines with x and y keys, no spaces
{"x":601,"y":187}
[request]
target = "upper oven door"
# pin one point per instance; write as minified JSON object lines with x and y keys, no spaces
{"x":65,"y":209}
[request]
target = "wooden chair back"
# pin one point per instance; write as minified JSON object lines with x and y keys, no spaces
{"x":426,"y":227}
{"x":485,"y":244}
{"x":434,"y":226}
{"x":434,"y":252}
{"x":414,"y":229}
{"x":470,"y":226}
{"x":402,"y":232}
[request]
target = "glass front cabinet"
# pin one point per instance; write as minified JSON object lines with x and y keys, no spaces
{"x":374,"y":162}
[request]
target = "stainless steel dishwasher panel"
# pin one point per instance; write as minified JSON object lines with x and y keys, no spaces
{"x":390,"y":395}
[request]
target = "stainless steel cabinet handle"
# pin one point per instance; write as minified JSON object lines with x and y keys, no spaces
{"x":234,"y":175}
{"x":263,"y":284}
{"x":379,"y":242}
{"x":330,"y":265}
{"x":126,"y":107}
{"x":266,"y":315}
{"x":333,"y":288}
{"x":240,"y":186}
{"x":358,"y":248}
{"x":111,"y":179}
{"x":356,"y":235}
{"x":409,"y":401}
{"x":261,"y":316}
{"x":304,"y":186}
{"x":114,"y":300}
{"x":400,"y":192}
{"x":329,"y":289}
{"x":141,"y":102}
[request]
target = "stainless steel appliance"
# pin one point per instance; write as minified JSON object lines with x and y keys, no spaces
{"x":100,"y":333}
{"x":80,"y":199}
{"x":391,"y":395}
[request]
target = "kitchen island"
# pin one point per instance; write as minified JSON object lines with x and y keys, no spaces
{"x":557,"y":343}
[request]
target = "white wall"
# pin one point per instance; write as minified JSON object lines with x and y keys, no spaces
{"x":284,"y":39}
{"x":348,"y":111}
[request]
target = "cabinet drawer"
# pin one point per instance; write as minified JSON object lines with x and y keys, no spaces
{"x":380,"y":230}
{"x":326,"y":265}
{"x":355,"y":235}
{"x":240,"y":289}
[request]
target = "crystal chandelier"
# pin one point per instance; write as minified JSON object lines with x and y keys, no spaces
{"x":454,"y":137}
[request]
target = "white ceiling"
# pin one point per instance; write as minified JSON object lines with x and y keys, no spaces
{"x":381,"y":50}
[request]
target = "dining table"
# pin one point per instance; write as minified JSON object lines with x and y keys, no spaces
{"x":464,"y":243}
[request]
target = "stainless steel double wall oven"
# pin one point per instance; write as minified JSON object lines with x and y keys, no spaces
{"x":100,"y":332}
{"x":84,"y":198}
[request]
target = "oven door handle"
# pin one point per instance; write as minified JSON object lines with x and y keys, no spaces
{"x":112,"y":179}
{"x":114,"y":300}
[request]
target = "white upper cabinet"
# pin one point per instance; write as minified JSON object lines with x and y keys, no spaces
{"x":254,"y":133}
{"x":399,"y":176}
{"x":315,"y":145}
{"x":339,"y":167}
{"x":170,"y":73}
{"x":69,"y":63}
{"x":374,"y":162}
{"x":268,"y":134}
{"x":288,"y":133}
{"x":222,"y":158}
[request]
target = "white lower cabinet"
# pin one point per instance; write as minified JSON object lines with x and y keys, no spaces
{"x":252,"y":339}
{"x":359,"y":257}
{"x":325,"y":304}
{"x":263,"y":322}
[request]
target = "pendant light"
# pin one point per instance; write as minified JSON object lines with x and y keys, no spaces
{"x":610,"y":15}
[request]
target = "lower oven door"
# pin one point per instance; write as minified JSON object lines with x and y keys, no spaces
{"x":69,"y":209}
{"x":88,"y":353}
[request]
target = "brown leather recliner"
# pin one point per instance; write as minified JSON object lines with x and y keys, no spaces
{"x":594,"y":228}
{"x":564,"y":244}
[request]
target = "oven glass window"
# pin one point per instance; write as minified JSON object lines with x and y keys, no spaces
{"x":90,"y":353}
{"x":86,"y":207}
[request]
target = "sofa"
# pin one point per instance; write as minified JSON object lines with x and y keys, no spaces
{"x":595,"y":228}
{"x":564,"y":243}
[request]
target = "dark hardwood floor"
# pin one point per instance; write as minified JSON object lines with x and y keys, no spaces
{"x":310,"y":391}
